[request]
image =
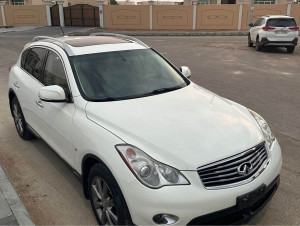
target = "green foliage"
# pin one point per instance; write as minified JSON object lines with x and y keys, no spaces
{"x":113,"y":2}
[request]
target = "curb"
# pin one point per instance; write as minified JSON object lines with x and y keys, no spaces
{"x":12,"y":210}
{"x":238,"y":33}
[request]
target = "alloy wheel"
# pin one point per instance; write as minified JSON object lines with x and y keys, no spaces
{"x":103,"y":202}
{"x":18,"y":118}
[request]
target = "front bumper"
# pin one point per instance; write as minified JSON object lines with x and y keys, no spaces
{"x":193,"y":202}
{"x":267,"y":42}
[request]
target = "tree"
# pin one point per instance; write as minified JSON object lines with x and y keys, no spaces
{"x":113,"y":2}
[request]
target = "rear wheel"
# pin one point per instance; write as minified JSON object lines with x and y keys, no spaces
{"x":290,"y":49}
{"x":257,"y":45}
{"x":20,"y":123}
{"x":106,"y":198}
{"x":250,"y":44}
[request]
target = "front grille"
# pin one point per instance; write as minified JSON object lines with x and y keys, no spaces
{"x":224,"y":173}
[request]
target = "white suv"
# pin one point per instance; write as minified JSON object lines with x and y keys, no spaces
{"x":150,"y":146}
{"x":281,"y":31}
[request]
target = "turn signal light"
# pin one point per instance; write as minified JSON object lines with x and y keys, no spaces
{"x":268,"y":28}
{"x":294,"y":28}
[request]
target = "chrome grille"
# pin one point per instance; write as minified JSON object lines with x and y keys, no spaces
{"x":228,"y":172}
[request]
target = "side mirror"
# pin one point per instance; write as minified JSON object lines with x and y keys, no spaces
{"x":52,"y":94}
{"x":251,"y":25}
{"x":185,"y":71}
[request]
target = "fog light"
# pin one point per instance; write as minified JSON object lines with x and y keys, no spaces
{"x":164,"y":218}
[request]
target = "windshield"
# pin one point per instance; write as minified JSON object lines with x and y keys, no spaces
{"x":125,"y":74}
{"x":281,"y":23}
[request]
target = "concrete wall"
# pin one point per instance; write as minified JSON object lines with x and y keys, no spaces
{"x":295,"y":12}
{"x":172,"y":17}
{"x":126,"y":17}
{"x":261,"y":10}
{"x":25,"y":15}
{"x":217,"y":16}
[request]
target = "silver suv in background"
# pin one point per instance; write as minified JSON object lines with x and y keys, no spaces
{"x":281,"y":31}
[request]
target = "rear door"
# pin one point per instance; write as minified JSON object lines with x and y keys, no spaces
{"x":255,"y":29}
{"x":285,"y":29}
{"x":28,"y":83}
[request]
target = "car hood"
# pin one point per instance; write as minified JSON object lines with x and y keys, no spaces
{"x":185,"y":128}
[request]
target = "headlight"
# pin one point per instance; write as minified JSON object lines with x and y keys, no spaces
{"x":148,"y":171}
{"x":269,"y":137}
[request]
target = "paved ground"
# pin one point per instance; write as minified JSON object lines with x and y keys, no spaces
{"x":267,"y":82}
{"x":12,"y":210}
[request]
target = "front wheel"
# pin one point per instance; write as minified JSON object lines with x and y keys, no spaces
{"x":290,"y":49}
{"x":250,"y":44}
{"x":106,"y":198}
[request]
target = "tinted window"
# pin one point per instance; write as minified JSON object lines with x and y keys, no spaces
{"x":262,"y":22}
{"x":257,"y":22}
{"x":125,"y":74}
{"x":281,"y":23}
{"x":34,"y":62}
{"x":24,"y":56}
{"x":54,"y":72}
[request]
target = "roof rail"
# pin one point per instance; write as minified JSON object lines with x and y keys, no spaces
{"x":120,"y":36}
{"x":65,"y":46}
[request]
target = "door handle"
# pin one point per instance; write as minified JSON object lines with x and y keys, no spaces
{"x":16,"y":85}
{"x":39,"y":103}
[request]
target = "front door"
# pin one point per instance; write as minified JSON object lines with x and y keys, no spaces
{"x":57,"y":116}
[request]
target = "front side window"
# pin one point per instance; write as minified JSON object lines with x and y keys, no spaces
{"x":125,"y":74}
{"x":281,"y":22}
{"x":54,"y":73}
{"x":34,"y":62}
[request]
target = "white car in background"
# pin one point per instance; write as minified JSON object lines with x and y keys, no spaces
{"x":281,"y":31}
{"x":150,"y":146}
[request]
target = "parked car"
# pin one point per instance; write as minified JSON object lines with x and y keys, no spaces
{"x":281,"y":31}
{"x":150,"y":146}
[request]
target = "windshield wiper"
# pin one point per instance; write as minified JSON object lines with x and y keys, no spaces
{"x":164,"y":90}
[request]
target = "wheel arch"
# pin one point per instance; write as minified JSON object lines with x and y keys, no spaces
{"x":88,"y":161}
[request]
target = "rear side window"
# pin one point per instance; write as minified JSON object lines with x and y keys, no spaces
{"x":282,"y":22}
{"x":23,"y":57}
{"x":34,"y":62}
{"x":54,"y":72}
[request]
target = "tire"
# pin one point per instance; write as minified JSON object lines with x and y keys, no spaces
{"x":20,"y":122}
{"x":250,"y":44}
{"x":257,"y":46}
{"x":115,"y":208}
{"x":290,"y":49}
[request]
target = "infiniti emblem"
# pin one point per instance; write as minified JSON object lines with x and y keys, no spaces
{"x":245,"y":168}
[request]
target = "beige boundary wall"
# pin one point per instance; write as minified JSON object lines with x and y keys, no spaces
{"x":161,"y":17}
{"x":25,"y":15}
{"x":208,"y":17}
{"x":295,"y":12}
{"x":126,"y":17}
{"x":217,"y":17}
{"x":172,"y":17}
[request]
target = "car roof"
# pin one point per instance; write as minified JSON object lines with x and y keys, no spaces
{"x":277,"y":17}
{"x":81,"y":45}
